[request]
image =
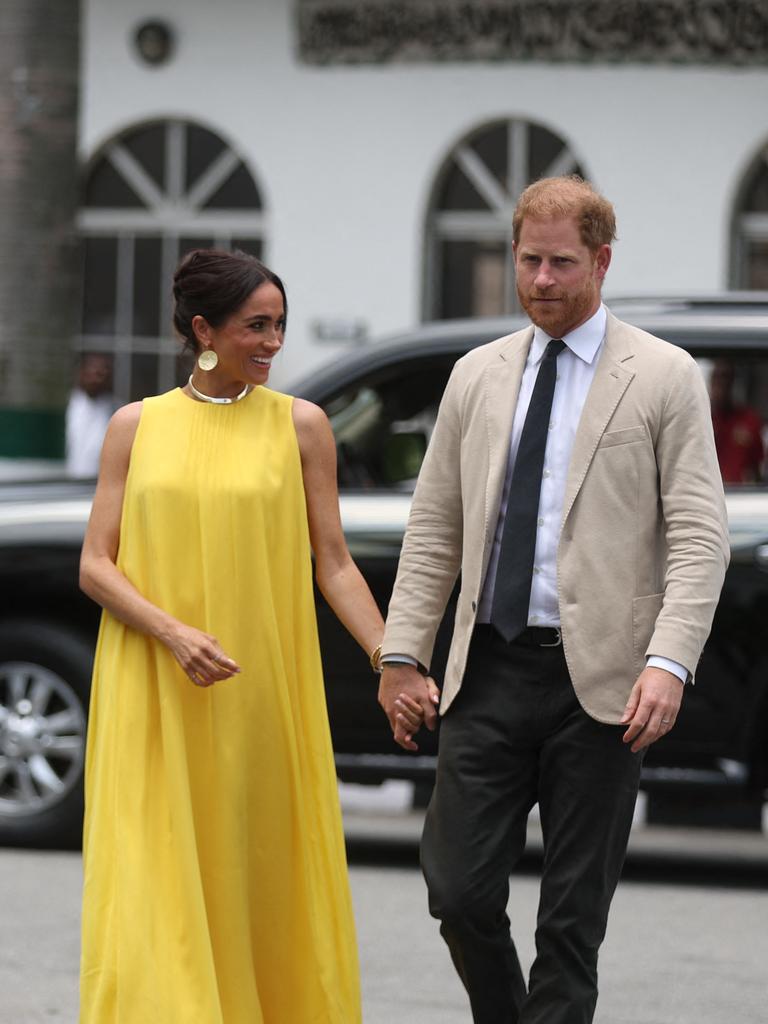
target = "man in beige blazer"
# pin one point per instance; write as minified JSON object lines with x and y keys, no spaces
{"x":572,"y":482}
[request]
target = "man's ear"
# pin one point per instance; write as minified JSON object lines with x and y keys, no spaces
{"x":603,"y":260}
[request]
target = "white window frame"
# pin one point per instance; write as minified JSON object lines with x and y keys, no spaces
{"x":748,"y":226}
{"x":495,"y":223}
{"x":171,"y":212}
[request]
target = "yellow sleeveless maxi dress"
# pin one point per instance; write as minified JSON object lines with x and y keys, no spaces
{"x":215,"y":887}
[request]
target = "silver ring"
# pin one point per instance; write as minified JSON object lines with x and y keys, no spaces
{"x":666,"y":721}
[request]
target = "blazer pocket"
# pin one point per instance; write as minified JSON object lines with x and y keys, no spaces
{"x":627,"y":435}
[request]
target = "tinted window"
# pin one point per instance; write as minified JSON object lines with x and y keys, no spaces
{"x":738,"y":388}
{"x":383,"y":422}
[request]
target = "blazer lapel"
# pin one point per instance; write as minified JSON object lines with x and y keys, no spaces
{"x":612,"y":377}
{"x":502,"y":385}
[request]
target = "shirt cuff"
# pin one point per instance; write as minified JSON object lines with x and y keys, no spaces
{"x":656,"y":661}
{"x":399,"y":659}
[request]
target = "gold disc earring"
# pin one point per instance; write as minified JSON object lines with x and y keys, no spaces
{"x":207,"y":360}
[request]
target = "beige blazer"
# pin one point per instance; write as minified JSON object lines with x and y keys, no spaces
{"x":644,"y":540}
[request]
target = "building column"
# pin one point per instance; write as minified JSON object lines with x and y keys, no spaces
{"x":40,"y":265}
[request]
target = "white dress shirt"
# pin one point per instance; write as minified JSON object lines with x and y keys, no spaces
{"x":575,"y":371}
{"x":86,"y":424}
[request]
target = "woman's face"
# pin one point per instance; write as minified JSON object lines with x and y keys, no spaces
{"x":247,"y":342}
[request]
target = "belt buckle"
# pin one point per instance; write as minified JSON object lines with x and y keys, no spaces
{"x":559,"y":638}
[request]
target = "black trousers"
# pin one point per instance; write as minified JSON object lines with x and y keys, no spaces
{"x":516,"y":734}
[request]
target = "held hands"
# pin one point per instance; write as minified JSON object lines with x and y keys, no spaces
{"x":409,"y":700}
{"x":200,"y":655}
{"x":652,"y":707}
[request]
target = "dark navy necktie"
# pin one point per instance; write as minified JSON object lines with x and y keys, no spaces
{"x":512,"y":590}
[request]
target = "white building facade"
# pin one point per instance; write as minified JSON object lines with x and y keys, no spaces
{"x":371,"y":153}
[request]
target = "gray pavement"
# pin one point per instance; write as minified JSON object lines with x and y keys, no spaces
{"x":673,"y":954}
{"x":39,"y":925}
{"x":687,"y":940}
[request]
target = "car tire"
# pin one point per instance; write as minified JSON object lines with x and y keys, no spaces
{"x":45,"y":674}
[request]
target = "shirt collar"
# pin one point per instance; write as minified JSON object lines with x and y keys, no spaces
{"x":584,"y":341}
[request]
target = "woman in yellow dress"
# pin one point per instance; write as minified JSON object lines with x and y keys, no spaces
{"x":215,"y":887}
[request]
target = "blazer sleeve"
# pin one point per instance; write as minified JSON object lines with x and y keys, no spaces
{"x":432,"y":547}
{"x":694,"y":519}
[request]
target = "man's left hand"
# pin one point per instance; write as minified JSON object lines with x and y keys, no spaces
{"x":652,"y":707}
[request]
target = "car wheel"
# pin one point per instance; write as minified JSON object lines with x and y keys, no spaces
{"x":45,"y":675}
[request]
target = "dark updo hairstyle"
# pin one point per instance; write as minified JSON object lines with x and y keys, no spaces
{"x":214,"y":284}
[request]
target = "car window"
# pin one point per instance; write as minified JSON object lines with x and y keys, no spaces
{"x":383,"y":420}
{"x":383,"y":423}
{"x":737,"y":383}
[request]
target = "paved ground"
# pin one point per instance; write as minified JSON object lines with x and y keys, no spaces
{"x":675,"y":954}
{"x":687,"y":942}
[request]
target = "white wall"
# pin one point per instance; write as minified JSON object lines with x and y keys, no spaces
{"x":345,"y":156}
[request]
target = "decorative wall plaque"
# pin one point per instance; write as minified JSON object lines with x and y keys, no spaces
{"x":664,"y":31}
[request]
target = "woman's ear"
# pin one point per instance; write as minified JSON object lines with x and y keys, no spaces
{"x":202,"y":330}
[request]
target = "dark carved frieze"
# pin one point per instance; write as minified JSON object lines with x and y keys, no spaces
{"x":686,"y":31}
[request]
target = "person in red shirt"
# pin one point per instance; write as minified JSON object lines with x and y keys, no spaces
{"x":738,"y":429}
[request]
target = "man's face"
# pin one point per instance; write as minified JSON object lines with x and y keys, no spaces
{"x":558,"y":277}
{"x":95,"y":376}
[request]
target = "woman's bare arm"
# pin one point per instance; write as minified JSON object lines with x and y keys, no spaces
{"x":338,"y":578}
{"x":199,"y":654}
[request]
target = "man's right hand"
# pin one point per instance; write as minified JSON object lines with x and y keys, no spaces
{"x":408,"y":697}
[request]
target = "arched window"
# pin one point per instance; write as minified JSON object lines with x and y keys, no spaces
{"x":469,"y":269}
{"x":750,"y":227}
{"x":152,"y":194}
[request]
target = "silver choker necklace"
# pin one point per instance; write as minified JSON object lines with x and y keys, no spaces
{"x":217,"y":401}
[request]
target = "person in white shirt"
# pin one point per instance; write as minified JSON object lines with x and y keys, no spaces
{"x":89,"y":410}
{"x":572,"y":483}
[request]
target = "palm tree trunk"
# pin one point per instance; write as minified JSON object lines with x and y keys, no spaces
{"x":40,"y":270}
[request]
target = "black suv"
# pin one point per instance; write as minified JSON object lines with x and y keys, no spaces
{"x":382,"y":402}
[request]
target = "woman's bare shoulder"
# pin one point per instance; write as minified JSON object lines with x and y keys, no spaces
{"x":127,"y":416}
{"x":313,"y":430}
{"x":307,"y":415}
{"x":122,"y":427}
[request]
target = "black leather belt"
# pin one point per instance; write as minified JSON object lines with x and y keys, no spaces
{"x":540,"y":636}
{"x":532,"y":636}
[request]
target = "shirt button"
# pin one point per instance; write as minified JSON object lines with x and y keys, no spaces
{"x":534,"y":619}
{"x":546,"y":473}
{"x":540,"y":521}
{"x":536,"y":571}
{"x":552,"y":425}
